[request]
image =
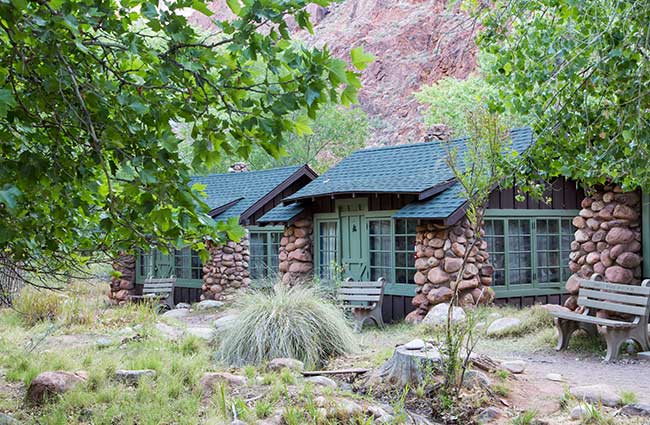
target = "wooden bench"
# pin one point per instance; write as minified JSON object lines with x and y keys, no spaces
{"x":627,"y":300}
{"x":161,"y":290}
{"x":364,"y":300}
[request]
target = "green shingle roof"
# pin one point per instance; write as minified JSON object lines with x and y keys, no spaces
{"x":439,"y":206}
{"x":243,"y":189}
{"x":281,"y":214}
{"x":411,"y":168}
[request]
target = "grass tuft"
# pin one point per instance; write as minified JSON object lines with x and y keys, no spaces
{"x":293,"y":322}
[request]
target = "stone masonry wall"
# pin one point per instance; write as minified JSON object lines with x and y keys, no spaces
{"x":226,"y":271}
{"x":607,"y":240}
{"x":439,"y":252}
{"x":123,"y":286}
{"x":296,"y":252}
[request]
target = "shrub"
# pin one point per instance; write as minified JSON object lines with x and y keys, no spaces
{"x":286,"y":322}
{"x":37,"y":306}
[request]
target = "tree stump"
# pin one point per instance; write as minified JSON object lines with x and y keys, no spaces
{"x":407,"y":367}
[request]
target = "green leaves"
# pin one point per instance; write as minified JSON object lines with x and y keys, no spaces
{"x":8,"y":197}
{"x":7,"y":102}
{"x":200,"y":6}
{"x":360,"y":59}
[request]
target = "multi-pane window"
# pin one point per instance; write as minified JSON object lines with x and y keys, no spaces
{"x":327,"y":243}
{"x":187,"y":264}
{"x":380,"y":249}
{"x":404,"y":251}
{"x":529,"y":251}
{"x":264,"y":251}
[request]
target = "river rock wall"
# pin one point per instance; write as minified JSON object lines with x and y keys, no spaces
{"x":227,"y":270}
{"x":439,"y":252}
{"x":607,"y":240}
{"x":296,"y":252}
{"x":124,"y":285}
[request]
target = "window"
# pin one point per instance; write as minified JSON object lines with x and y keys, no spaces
{"x":404,"y":251}
{"x":187,"y":264}
{"x":264,"y":251}
{"x":327,"y":255}
{"x":529,"y":252}
{"x":380,"y":249}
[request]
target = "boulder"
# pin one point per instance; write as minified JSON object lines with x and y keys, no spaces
{"x":573,"y":284}
{"x":288,"y":363}
{"x":555,"y":377}
{"x":578,"y":412}
{"x":626,"y":213}
{"x":619,"y":235}
{"x":618,"y":274}
{"x":169,"y":332}
{"x":52,"y":383}
{"x":637,"y":409}
{"x":554,"y":307}
{"x":514,"y":366}
{"x":437,"y":276}
{"x":476,"y":378}
{"x":503,"y":325}
{"x":201,"y":332}
{"x":628,"y":260}
{"x":598,"y":393}
{"x":453,"y":264}
{"x":210,"y":380}
{"x":183,"y":305}
{"x":322,"y":381}
{"x":177,"y":313}
{"x":132,"y":377}
{"x":489,"y":414}
{"x":225,"y":322}
{"x":419,"y":278}
{"x":208,"y":304}
{"x":437,"y":316}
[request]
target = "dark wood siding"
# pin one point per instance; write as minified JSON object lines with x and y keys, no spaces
{"x":277,"y":199}
{"x":563,"y":195}
{"x":396,"y":308}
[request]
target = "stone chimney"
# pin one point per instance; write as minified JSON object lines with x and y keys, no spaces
{"x":438,"y":132}
{"x":238,"y":167}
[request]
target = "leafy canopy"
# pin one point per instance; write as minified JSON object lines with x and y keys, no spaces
{"x":91,"y":93}
{"x":581,"y":69}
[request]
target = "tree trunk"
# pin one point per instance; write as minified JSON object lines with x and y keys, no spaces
{"x":407,"y":367}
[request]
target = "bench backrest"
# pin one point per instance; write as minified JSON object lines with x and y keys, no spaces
{"x":352,"y":292}
{"x":626,"y":299}
{"x":158,"y":286}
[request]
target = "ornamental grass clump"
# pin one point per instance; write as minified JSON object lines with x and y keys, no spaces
{"x":293,"y":322}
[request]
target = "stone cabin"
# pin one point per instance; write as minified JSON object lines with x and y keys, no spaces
{"x":239,"y":193}
{"x":394,"y":212}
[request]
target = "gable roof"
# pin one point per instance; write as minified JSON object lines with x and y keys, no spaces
{"x":242,"y":194}
{"x":419,"y":169}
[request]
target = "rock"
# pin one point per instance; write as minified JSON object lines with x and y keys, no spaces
{"x":581,"y":236}
{"x":626,"y":213}
{"x":503,"y":325}
{"x":578,"y":412}
{"x":238,"y":422}
{"x":554,"y":307}
{"x":132,"y":377}
{"x":103,"y":342}
{"x":416,"y":344}
{"x":489,"y":414}
{"x":573,"y":283}
{"x":169,"y":332}
{"x":437,"y":316}
{"x":636,"y":409}
{"x":8,"y":420}
{"x":201,"y":332}
{"x":514,"y":366}
{"x":322,"y":381}
{"x":618,"y":274}
{"x":210,"y":379}
{"x":420,"y":278}
{"x":183,"y":305}
{"x":453,"y":264}
{"x":177,"y":313}
{"x":208,"y":304}
{"x":224,"y":322}
{"x":619,"y":235}
{"x":474,"y":378}
{"x":440,"y":295}
{"x":628,"y":260}
{"x":344,"y":409}
{"x":52,"y":383}
{"x":555,"y":377}
{"x":598,"y":393}
{"x":437,"y":276}
{"x":285,"y":362}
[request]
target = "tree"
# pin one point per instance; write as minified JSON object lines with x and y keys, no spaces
{"x":334,"y":134}
{"x":90,"y":95}
{"x":582,"y":72}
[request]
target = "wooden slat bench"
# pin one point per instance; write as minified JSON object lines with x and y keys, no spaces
{"x":627,"y":300}
{"x":364,"y":300}
{"x":161,"y":290}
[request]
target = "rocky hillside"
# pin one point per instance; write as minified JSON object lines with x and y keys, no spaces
{"x":416,"y":42}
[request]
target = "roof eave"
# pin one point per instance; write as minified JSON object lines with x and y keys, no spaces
{"x":223,"y":208}
{"x":436,"y":189}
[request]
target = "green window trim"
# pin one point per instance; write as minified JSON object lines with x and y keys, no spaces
{"x":158,"y":264}
{"x":529,"y":250}
{"x":264,"y":250}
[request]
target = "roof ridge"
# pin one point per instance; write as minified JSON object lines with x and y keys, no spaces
{"x":408,"y":145}
{"x":249,"y":172}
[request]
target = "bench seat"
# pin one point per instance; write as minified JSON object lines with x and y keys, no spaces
{"x":593,"y":320}
{"x":364,"y":300}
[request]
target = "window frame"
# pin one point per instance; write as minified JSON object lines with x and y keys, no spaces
{"x":152,"y":253}
{"x":325,"y":218}
{"x":535,"y":287}
{"x":271,"y":263}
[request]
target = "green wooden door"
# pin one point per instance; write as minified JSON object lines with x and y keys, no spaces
{"x":354,"y":238}
{"x":163,"y":264}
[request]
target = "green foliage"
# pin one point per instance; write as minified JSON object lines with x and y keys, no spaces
{"x":594,"y":415}
{"x":628,"y":397}
{"x":286,"y":322}
{"x":334,"y":134}
{"x":581,"y":71}
{"x":451,"y":100}
{"x":91,"y":95}
{"x":525,"y":418}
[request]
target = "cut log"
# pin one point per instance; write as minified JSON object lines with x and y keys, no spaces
{"x":407,"y":367}
{"x":356,"y":371}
